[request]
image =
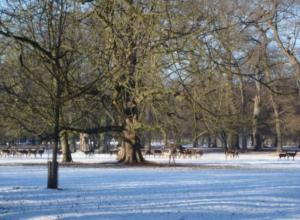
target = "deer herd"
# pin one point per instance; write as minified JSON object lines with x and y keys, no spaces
{"x":171,"y":152}
{"x":27,"y":151}
{"x":287,"y":154}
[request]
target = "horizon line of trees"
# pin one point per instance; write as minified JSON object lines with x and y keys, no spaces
{"x":138,"y":70}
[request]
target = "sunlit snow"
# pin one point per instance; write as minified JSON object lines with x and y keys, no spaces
{"x":250,"y":187}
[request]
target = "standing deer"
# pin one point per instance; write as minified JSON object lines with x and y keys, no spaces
{"x":291,"y":154}
{"x":172,"y":153}
{"x":231,"y":152}
{"x":41,"y":152}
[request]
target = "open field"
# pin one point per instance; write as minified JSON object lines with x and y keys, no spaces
{"x":254,"y":186}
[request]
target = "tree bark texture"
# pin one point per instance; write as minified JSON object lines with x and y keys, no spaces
{"x":66,"y":152}
{"x":130,"y":152}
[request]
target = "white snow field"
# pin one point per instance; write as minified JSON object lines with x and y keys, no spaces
{"x":255,"y":187}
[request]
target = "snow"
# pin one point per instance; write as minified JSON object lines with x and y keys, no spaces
{"x":253,"y":186}
{"x":262,"y":159}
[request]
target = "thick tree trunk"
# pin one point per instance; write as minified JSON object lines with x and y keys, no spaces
{"x":73,"y":143}
{"x":130,"y":152}
{"x":66,"y":152}
{"x":84,"y":145}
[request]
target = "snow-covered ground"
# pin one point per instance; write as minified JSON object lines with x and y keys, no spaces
{"x":254,"y":186}
{"x":249,"y":160}
{"x":150,"y":193}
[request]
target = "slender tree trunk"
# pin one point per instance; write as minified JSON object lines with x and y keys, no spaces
{"x":271,"y":95}
{"x":243,"y":114}
{"x":195,"y":123}
{"x":148,"y":133}
{"x":209,"y":140}
{"x":104,"y":139}
{"x":224,"y":139}
{"x":214,"y":142}
{"x":230,"y":142}
{"x":148,"y":139}
{"x":278,"y":142}
{"x":277,"y":124}
{"x":66,"y":152}
{"x":165,"y":137}
{"x":53,"y":166}
{"x":233,"y":140}
{"x":256,"y":114}
{"x":236,"y":141}
{"x":195,"y":142}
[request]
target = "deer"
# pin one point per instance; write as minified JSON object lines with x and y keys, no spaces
{"x":172,"y":153}
{"x":157,"y":152}
{"x":198,"y":152}
{"x":291,"y":154}
{"x":33,"y":152}
{"x":5,"y":152}
{"x":282,"y":154}
{"x":231,"y":152}
{"x":147,"y":152}
{"x":89,"y":152}
{"x":41,"y":152}
{"x":22,"y":152}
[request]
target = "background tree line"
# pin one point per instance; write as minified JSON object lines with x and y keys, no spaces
{"x":138,"y":70}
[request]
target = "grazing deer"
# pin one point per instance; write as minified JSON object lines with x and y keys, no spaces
{"x":282,"y":154}
{"x":189,"y":153}
{"x":291,"y":154}
{"x":198,"y":152}
{"x":157,"y":152}
{"x":4,"y":152}
{"x":33,"y":152}
{"x":22,"y":152}
{"x":89,"y":152}
{"x":41,"y":152}
{"x":182,"y":152}
{"x":148,"y":153}
{"x":231,"y":152}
